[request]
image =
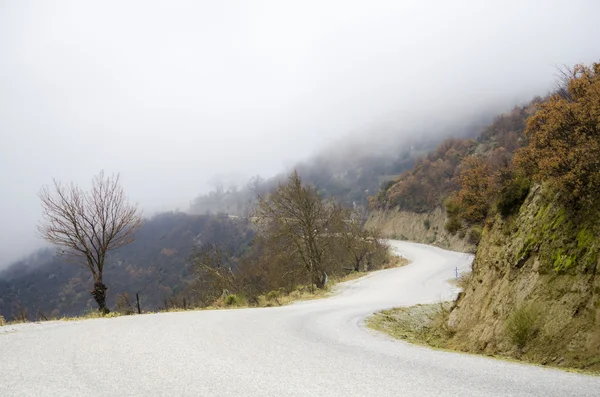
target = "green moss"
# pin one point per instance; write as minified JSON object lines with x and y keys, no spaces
{"x":563,"y":261}
{"x":559,"y":219}
{"x":541,"y":213}
{"x":585,"y":238}
{"x":565,"y":241}
{"x":587,"y":248}
{"x":526,"y":249}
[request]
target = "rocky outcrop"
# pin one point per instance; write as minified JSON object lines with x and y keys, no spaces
{"x":534,"y":292}
{"x":427,"y":228}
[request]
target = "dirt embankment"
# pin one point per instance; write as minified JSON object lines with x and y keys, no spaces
{"x":427,"y":228}
{"x":534,"y":293}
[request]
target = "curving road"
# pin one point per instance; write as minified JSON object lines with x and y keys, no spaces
{"x":316,"y":348}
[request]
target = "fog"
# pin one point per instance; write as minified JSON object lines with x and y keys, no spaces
{"x":175,"y":95}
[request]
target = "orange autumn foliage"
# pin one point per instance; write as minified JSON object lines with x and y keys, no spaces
{"x":564,"y":139}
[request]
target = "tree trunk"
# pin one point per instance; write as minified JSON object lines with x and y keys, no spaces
{"x":320,"y":279}
{"x":99,"y":294}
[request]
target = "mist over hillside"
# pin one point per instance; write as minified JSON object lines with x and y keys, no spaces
{"x":350,"y":170}
{"x":171,"y":96}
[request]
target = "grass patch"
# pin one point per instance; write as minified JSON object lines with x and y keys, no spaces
{"x":427,"y":325}
{"x":93,"y":313}
{"x":421,"y":324}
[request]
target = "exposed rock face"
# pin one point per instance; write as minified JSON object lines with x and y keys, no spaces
{"x":544,"y":262}
{"x":427,"y":228}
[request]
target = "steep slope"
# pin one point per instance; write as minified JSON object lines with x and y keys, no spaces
{"x":426,"y":228}
{"x":533,"y":209}
{"x":422,"y":204}
{"x":534,"y":292}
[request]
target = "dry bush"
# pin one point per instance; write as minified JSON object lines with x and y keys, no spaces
{"x":124,"y":305}
{"x":522,"y":325}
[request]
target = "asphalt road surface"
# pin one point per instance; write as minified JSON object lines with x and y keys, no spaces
{"x":316,"y":348}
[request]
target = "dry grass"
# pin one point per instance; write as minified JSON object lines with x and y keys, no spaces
{"x":421,"y":324}
{"x":462,"y":281}
{"x":236,"y":301}
{"x":427,"y":325}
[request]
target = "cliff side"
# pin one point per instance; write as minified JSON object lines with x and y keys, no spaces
{"x":426,"y":228}
{"x":534,"y":291}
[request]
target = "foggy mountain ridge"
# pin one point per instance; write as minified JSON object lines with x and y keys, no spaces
{"x":334,"y":167}
{"x":327,"y":170}
{"x":157,"y":263}
{"x":351,"y":169}
{"x":172,"y":95}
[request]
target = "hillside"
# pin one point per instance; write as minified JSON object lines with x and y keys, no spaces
{"x":346,"y":174}
{"x":350,"y":171}
{"x":534,"y":218}
{"x":432,"y":202}
{"x":534,"y":292}
{"x":156,"y":265}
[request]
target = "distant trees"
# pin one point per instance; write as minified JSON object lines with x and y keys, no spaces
{"x":432,"y":178}
{"x":476,"y":188}
{"x":302,"y":240}
{"x":439,"y":176}
{"x":87,"y":225}
{"x":560,"y":147}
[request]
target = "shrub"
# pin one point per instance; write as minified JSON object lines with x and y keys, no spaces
{"x":521,"y":326}
{"x":2,"y":321}
{"x":231,"y":300}
{"x":124,"y":305}
{"x":452,"y":206}
{"x":475,"y":189}
{"x":273,"y":296}
{"x":427,"y":224}
{"x":475,"y":235}
{"x":453,"y":225}
{"x":512,"y":195}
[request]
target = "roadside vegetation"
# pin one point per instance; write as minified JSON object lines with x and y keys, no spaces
{"x":427,"y":325}
{"x":533,"y":208}
{"x":85,"y":226}
{"x":294,"y":246}
{"x":421,"y":324}
{"x":231,"y":301}
{"x":303,"y":242}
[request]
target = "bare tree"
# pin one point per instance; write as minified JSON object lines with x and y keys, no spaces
{"x":214,"y":267}
{"x":86,"y":225}
{"x":564,"y":74}
{"x":297,"y":219}
{"x":365,"y":247}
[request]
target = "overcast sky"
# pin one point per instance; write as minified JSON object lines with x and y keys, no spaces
{"x":172,"y":93}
